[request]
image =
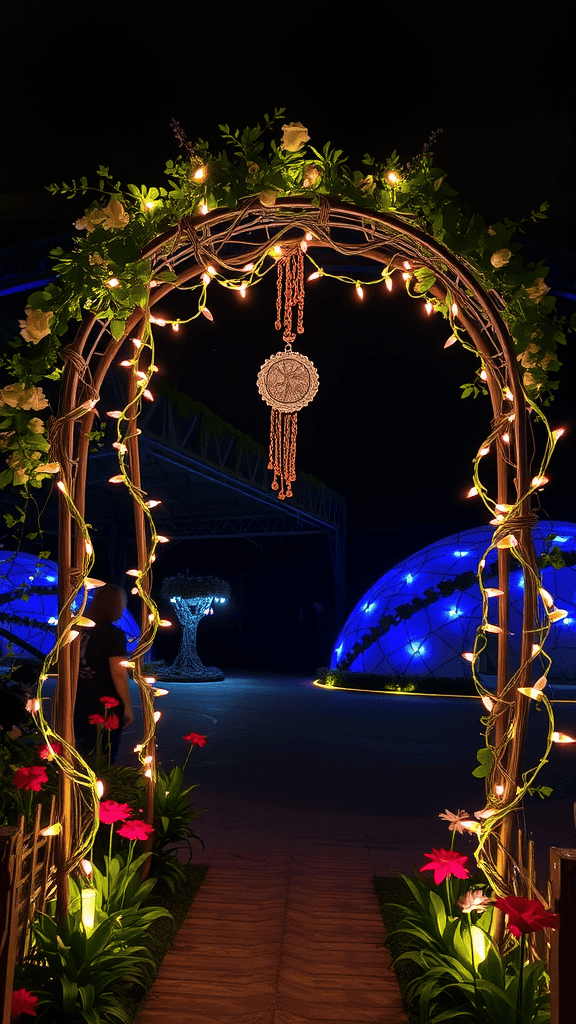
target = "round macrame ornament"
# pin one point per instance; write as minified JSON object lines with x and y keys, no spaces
{"x":288,"y":380}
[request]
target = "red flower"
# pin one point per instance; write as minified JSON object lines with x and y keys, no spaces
{"x":109,"y":702}
{"x":30,"y":778}
{"x":48,"y":750}
{"x":111,"y":811}
{"x":23,"y":1002}
{"x":96,"y":719}
{"x":444,"y":863}
{"x":525,"y":915}
{"x":111,"y":722}
{"x":195,"y":739}
{"x":135,"y":830}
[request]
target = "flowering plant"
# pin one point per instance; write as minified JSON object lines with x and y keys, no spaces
{"x":23,"y":1002}
{"x":110,"y":811}
{"x":136,"y":830}
{"x":30,"y":778}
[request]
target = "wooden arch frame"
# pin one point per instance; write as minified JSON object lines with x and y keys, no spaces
{"x":229,"y":239}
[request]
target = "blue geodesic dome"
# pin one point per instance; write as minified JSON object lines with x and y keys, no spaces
{"x":29,"y":605}
{"x":431,"y":641}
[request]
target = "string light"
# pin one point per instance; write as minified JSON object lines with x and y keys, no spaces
{"x":314,"y":276}
{"x":472,"y":492}
{"x":120,"y":447}
{"x":164,"y":622}
{"x":546,"y":597}
{"x":248,"y":267}
{"x":393,"y":178}
{"x":242,"y":290}
{"x":539,"y":481}
{"x":556,"y":614}
{"x":90,"y":583}
{"x":200,"y":173}
{"x":536,"y":648}
{"x":89,"y":548}
{"x":100,"y":788}
{"x":153,"y":503}
{"x":562,"y":737}
{"x":531,"y":691}
{"x":113,"y":282}
{"x":132,"y":572}
{"x":148,"y":773}
{"x":136,"y":341}
{"x":359,"y":291}
{"x":148,"y":395}
{"x":405,"y":276}
{"x":484,"y":451}
{"x":126,"y":362}
{"x":114,"y":414}
{"x":127,"y":664}
{"x":507,"y":542}
{"x":508,"y":394}
{"x":52,"y":830}
{"x":388,"y":283}
{"x":159,"y":692}
{"x":428,"y":307}
{"x":157,"y":716}
{"x":499,"y":789}
{"x":406,"y":265}
{"x":61,"y":486}
{"x":451,"y":341}
{"x":86,"y":867}
{"x":118,"y":479}
{"x":205,"y":278}
{"x":558,"y":432}
{"x":158,"y":321}
{"x":493,"y":592}
{"x":488,"y":703}
{"x":506,"y":438}
{"x":468,"y":656}
{"x":540,"y":683}
{"x":490,"y":628}
{"x":504,"y":508}
{"x":483,"y":375}
{"x":163,"y":540}
{"x":454,"y":309}
{"x":203,"y":209}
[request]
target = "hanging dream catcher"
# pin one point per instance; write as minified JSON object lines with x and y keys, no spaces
{"x":287,"y":381}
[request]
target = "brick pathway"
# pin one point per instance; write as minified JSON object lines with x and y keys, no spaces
{"x":284,"y":933}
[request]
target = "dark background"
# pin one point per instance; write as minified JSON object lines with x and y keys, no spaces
{"x":92,"y":84}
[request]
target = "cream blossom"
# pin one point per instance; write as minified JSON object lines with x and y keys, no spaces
{"x":49,"y":467}
{"x":35,"y":425}
{"x":112,"y":216}
{"x":500,"y":258}
{"x":267,"y":198}
{"x":474,"y":899}
{"x":538,"y":290}
{"x":18,"y":397}
{"x":312,"y":176}
{"x":294,"y":137}
{"x":455,"y":820}
{"x":35,"y":327}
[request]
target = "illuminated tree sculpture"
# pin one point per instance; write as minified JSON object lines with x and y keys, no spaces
{"x":192,"y":598}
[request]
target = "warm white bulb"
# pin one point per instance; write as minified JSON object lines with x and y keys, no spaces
{"x":472,"y":492}
{"x":203,"y":209}
{"x":113,"y":282}
{"x":388,"y":283}
{"x":152,"y":503}
{"x":451,"y":341}
{"x":359,"y":291}
{"x":506,"y":438}
{"x":558,"y":432}
{"x":428,"y":307}
{"x":157,"y":716}
{"x":484,"y":451}
{"x":100,"y":788}
{"x":200,"y":173}
{"x":468,"y":656}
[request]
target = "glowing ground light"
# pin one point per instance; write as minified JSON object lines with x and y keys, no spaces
{"x":454,"y":612}
{"x":414,"y":647}
{"x":409,"y":578}
{"x":461,"y":554}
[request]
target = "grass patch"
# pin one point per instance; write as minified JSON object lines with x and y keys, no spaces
{"x":395,"y":890}
{"x":398,"y":684}
{"x":161,"y":933}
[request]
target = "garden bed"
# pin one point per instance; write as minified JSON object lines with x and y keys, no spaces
{"x":419,"y":685}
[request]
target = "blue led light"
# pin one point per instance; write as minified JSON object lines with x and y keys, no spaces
{"x":568,"y":620}
{"x":415,"y":647}
{"x":454,"y":611}
{"x":370,"y":607}
{"x":561,"y":540}
{"x":409,"y":578}
{"x":339,"y":650}
{"x":52,"y":621}
{"x":461,"y":554}
{"x":51,"y":579}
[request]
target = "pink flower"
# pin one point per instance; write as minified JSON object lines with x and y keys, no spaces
{"x":444,"y":863}
{"x":111,"y":811}
{"x":109,"y":702}
{"x":49,"y":749}
{"x":30,"y":778}
{"x":474,"y":899}
{"x":23,"y":1002}
{"x":135,"y":830}
{"x":195,"y":739}
{"x":96,"y":719}
{"x":457,"y":821}
{"x":111,"y":722}
{"x":525,"y":915}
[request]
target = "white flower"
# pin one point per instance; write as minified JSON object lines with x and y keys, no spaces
{"x":538,"y":290}
{"x":35,"y":327}
{"x":312,"y":176}
{"x":18,"y":397}
{"x":500,"y":258}
{"x":294,"y":137}
{"x":115,"y":215}
{"x":456,"y":820}
{"x":112,"y":216}
{"x":474,"y":899}
{"x":35,"y":425}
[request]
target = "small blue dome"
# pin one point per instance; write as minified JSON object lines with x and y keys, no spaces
{"x":29,"y":596}
{"x":431,"y":640}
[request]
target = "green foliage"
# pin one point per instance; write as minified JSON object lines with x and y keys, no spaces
{"x":173,"y":817}
{"x":456,"y":973}
{"x":485,"y":757}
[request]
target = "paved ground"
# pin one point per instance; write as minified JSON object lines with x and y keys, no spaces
{"x":308,"y":794}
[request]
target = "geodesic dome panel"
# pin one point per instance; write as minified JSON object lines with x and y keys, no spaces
{"x":29,"y":605}
{"x":431,"y":641}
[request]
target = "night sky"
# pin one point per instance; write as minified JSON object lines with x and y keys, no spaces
{"x":90,"y":85}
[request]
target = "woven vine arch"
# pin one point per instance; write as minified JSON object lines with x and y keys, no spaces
{"x":228,"y":240}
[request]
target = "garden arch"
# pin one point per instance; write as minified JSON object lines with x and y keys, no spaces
{"x":229,"y":240}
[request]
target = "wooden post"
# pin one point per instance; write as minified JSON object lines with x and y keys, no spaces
{"x":563,"y":938}
{"x":10,"y":859}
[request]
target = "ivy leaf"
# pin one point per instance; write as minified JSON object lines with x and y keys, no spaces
{"x":117,"y":328}
{"x":43,"y":554}
{"x":485,"y":757}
